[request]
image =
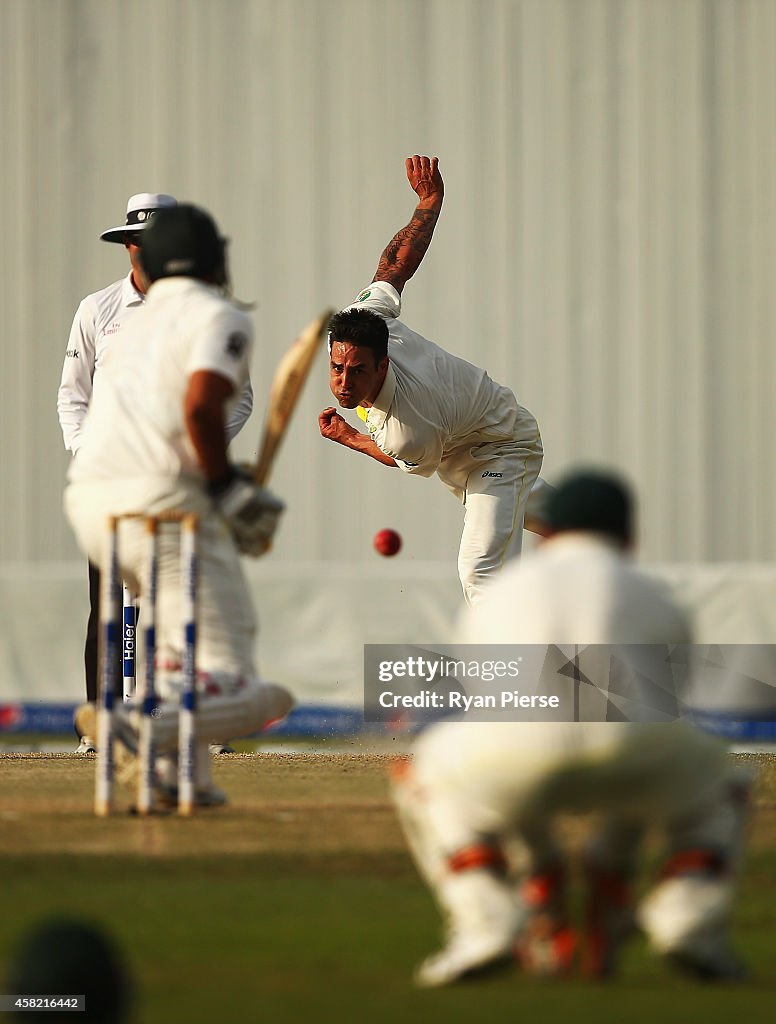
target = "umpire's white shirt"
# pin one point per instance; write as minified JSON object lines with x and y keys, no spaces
{"x":434,"y":407}
{"x":135,"y":429}
{"x":98,"y":321}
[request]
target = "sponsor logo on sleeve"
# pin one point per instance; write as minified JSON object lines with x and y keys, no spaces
{"x":494,"y":476}
{"x":364,"y":295}
{"x":235,"y":344}
{"x":72,"y":353}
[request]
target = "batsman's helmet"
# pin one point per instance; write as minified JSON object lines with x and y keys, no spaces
{"x":183,"y":241}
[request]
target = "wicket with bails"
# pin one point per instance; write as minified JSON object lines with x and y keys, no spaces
{"x":109,"y":637}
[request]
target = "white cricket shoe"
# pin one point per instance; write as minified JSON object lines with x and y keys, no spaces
{"x":466,"y":956}
{"x":221,"y":748}
{"x":687,"y":921}
{"x":85,"y":723}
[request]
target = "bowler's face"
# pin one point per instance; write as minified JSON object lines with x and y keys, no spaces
{"x":354,"y":377}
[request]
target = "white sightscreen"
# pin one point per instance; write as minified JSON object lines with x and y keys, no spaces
{"x":606,"y":246}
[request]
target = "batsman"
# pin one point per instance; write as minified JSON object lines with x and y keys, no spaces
{"x":427,"y":411}
{"x":154,"y":442}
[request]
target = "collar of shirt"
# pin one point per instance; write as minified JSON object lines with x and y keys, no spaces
{"x":380,"y":408}
{"x":130,"y":296}
{"x":178,"y":285}
{"x":583,"y":540}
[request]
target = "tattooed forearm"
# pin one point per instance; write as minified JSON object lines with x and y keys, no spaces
{"x":404,"y":253}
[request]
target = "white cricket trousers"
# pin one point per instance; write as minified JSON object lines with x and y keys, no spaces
{"x":226,"y":621}
{"x":496,"y":495}
{"x":469,"y":783}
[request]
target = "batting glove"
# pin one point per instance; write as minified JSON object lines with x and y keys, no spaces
{"x":251,"y":512}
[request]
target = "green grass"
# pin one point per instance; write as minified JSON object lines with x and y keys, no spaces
{"x":305,"y":939}
{"x":326,"y":925}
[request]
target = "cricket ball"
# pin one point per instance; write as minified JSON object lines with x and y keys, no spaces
{"x":387,"y":542}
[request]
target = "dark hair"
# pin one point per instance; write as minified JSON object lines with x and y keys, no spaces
{"x":362,"y":328}
{"x":593,"y":501}
{"x":65,"y":956}
{"x":183,"y":241}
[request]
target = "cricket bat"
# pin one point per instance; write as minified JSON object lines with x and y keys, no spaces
{"x":286,"y":388}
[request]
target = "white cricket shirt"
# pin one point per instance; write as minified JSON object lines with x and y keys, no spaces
{"x":98,"y":320}
{"x":135,"y":426}
{"x":434,"y":407}
{"x":576,"y":588}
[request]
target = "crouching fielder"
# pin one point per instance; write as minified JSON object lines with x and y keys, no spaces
{"x":154,"y":441}
{"x":479,"y":804}
{"x":479,"y":801}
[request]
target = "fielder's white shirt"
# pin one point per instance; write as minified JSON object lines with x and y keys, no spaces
{"x":99,"y":320}
{"x":135,"y":428}
{"x":576,"y":588}
{"x":434,"y":407}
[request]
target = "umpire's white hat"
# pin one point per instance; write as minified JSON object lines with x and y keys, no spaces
{"x":140,"y":210}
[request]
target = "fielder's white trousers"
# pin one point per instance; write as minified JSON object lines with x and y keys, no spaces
{"x":470,"y":783}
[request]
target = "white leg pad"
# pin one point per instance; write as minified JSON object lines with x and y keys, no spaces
{"x":243,"y":713}
{"x":472,"y":901}
{"x":687,"y":914}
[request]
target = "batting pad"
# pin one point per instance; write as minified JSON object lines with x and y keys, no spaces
{"x":222,"y":718}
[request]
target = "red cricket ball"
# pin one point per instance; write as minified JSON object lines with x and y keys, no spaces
{"x":387,"y":542}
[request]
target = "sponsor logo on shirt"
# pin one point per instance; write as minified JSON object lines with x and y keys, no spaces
{"x":113,"y":328}
{"x":364,"y":295}
{"x":495,"y":476}
{"x":235,"y":344}
{"x":72,"y":353}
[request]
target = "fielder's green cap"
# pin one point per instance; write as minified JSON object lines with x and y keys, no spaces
{"x":592,"y":500}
